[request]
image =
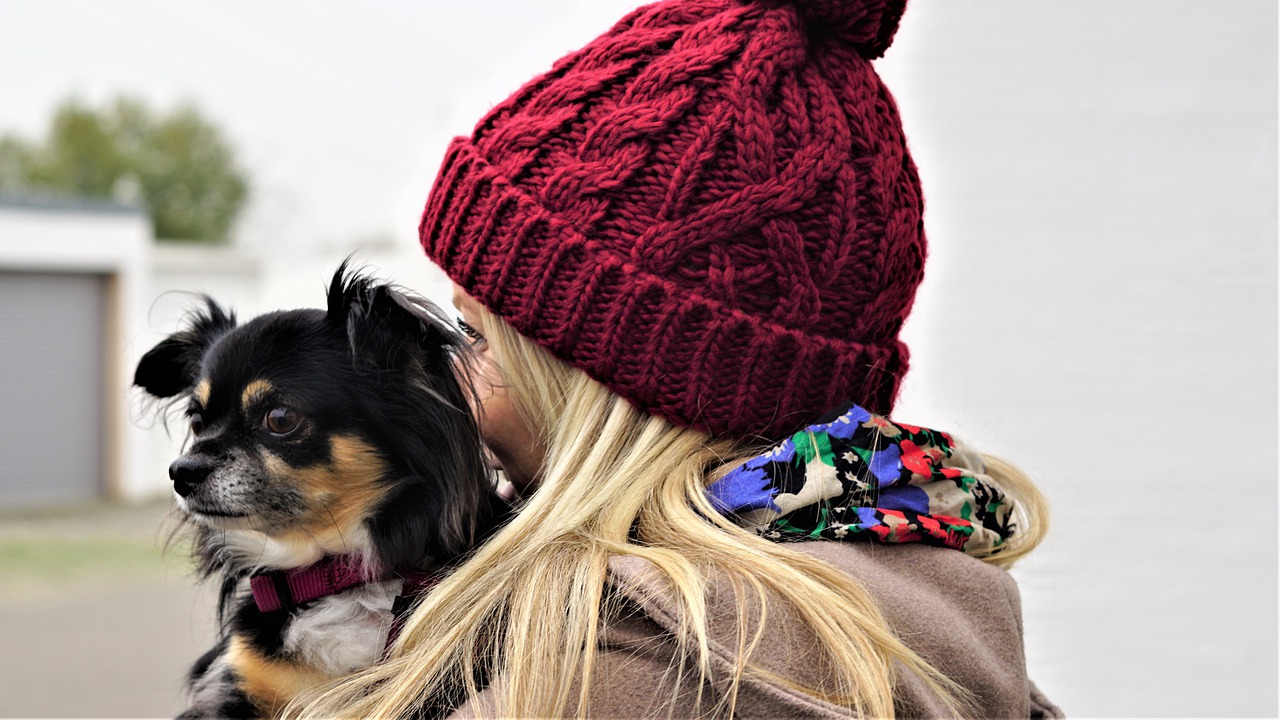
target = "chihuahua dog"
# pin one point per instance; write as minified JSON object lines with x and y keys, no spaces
{"x":333,"y":470}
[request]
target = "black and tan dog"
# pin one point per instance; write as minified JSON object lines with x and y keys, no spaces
{"x":332,"y":469}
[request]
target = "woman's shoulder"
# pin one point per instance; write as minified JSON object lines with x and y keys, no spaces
{"x":913,"y":584}
{"x":960,"y":614}
{"x":940,"y":592}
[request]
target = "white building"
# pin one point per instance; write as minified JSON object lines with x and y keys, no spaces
{"x":71,"y":276}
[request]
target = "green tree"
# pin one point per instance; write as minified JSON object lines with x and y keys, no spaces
{"x":178,"y":164}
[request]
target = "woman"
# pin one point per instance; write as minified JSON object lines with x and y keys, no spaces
{"x":678,"y":250}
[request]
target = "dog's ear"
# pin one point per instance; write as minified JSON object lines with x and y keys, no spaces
{"x":389,"y":329}
{"x":170,"y":367}
{"x":425,"y":422}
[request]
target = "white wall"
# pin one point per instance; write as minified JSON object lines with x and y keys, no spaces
{"x":1100,"y":307}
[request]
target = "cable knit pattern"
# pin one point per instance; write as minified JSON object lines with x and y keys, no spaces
{"x":710,"y":209}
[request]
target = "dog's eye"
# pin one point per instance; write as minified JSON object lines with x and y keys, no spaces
{"x":472,"y":334}
{"x":281,"y":420}
{"x":197,"y":423}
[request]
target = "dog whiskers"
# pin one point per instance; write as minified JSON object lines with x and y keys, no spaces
{"x":334,"y":521}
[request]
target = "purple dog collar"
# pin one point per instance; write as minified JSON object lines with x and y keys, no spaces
{"x":286,"y":589}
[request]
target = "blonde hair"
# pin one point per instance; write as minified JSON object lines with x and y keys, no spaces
{"x":527,"y":609}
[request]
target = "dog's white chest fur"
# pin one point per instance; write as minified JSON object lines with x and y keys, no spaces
{"x":346,"y":632}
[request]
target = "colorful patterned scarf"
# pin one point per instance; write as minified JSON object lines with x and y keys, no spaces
{"x":861,"y":476}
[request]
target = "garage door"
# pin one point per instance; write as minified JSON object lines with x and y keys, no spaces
{"x":51,"y":353}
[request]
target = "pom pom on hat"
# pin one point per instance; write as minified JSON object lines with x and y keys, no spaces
{"x":868,"y":25}
{"x":710,"y":209}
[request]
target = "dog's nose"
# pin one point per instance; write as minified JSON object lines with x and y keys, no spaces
{"x":188,"y":471}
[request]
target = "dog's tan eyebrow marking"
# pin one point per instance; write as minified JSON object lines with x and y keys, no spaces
{"x":202,"y":392}
{"x":254,"y":391}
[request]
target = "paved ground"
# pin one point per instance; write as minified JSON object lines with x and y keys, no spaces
{"x":95,"y":620}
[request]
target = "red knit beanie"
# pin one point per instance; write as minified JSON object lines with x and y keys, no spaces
{"x":710,"y":209}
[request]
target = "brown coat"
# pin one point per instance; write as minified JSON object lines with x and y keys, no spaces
{"x":961,"y":615}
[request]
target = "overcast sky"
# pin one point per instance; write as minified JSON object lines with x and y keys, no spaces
{"x":340,"y":111}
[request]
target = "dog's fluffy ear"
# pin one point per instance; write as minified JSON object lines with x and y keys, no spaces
{"x":170,"y":367}
{"x":387,"y":328}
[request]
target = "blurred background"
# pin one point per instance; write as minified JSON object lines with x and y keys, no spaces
{"x":1100,"y":305}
